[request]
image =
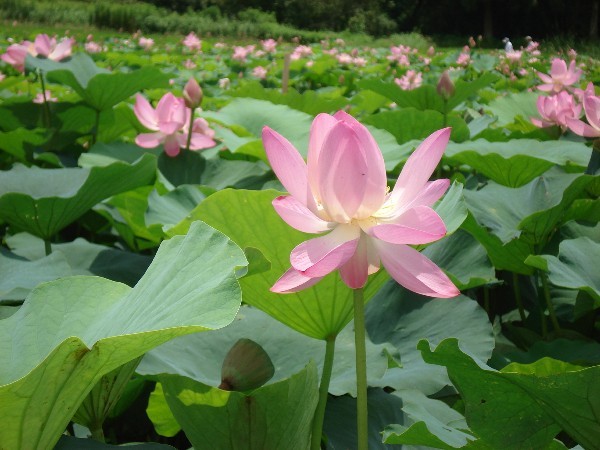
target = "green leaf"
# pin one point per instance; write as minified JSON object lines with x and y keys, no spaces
{"x":275,"y":416}
{"x":21,"y":142}
{"x":518,"y":161}
{"x":509,"y":107}
{"x":43,"y":201}
{"x":171,"y":208}
{"x":576,"y":266}
{"x":250,"y":220}
{"x":199,"y":356}
{"x":160,"y":414}
{"x":88,"y":326}
{"x":246,"y":367}
{"x":452,"y":208}
{"x":409,"y":123}
{"x":401,"y":318}
{"x":523,"y":406}
{"x":430,"y":423}
{"x":73,"y":443}
{"x":76,"y":72}
{"x":423,"y":98}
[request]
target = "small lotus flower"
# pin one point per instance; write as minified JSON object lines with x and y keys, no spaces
{"x":146,"y":43}
{"x":556,"y":109}
{"x":464,"y":59}
{"x":445,"y":86}
{"x":93,"y":47}
{"x":192,"y":42}
{"x":269,"y":45}
{"x":342,"y":194}
{"x":42,"y":46}
{"x":170,"y":123}
{"x":411,"y":80}
{"x":259,"y":72}
{"x":192,"y":94}
{"x":560,"y":76}
{"x":39,"y":98}
{"x":224,"y":83}
{"x":591,"y":105}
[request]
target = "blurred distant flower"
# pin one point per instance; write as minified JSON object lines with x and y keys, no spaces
{"x":269,"y":45}
{"x":192,"y":42}
{"x":146,"y":43}
{"x":93,"y":47}
{"x":224,"y":83}
{"x":409,"y":81}
{"x":259,"y":72}
{"x":39,"y":98}
{"x":43,"y":46}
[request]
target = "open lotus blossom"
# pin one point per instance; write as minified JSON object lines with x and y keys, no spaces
{"x":556,"y":109}
{"x":342,"y":191}
{"x":170,"y":123}
{"x":39,"y":98}
{"x":591,"y":105}
{"x":43,"y":45}
{"x":146,"y":43}
{"x":269,"y":45}
{"x":411,"y":80}
{"x":560,"y":76}
{"x":192,"y":42}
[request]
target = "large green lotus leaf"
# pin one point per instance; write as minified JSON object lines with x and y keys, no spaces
{"x":578,"y":352}
{"x":85,"y":258}
{"x":430,"y":423}
{"x":533,"y":210}
{"x":402,"y":318}
{"x":523,"y":406}
{"x":576,"y":266}
{"x":509,"y":107}
{"x":452,"y":208}
{"x":410,"y":123}
{"x":19,"y":275}
{"x":199,"y":356}
{"x":249,"y":219}
{"x":88,"y":326}
{"x":340,"y":420}
{"x":172,"y":207}
{"x":73,"y":443}
{"x":464,"y":259}
{"x":43,"y":201}
{"x":97,"y":87}
{"x":20,"y":142}
{"x":510,"y":256}
{"x":275,"y":416}
{"x":518,"y":161}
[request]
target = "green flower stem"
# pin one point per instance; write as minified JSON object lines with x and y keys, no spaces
{"x":362,"y":425}
{"x":518,"y":298}
{"x":189,"y":137}
{"x":46,"y":106}
{"x":97,"y":432}
{"x":549,"y":304}
{"x":317,"y":427}
{"x":47,"y":246}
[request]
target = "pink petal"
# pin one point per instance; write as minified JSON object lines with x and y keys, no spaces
{"x":319,"y":256}
{"x":299,"y":216}
{"x":145,"y":113}
{"x":432,"y":192}
{"x":342,"y":173}
{"x":62,"y":50}
{"x":414,"y":271}
{"x":293,"y":281}
{"x":420,"y":165}
{"x":43,"y":45}
{"x":201,"y":141}
{"x":320,"y":128}
{"x":559,"y":68}
{"x":150,"y":140}
{"x":591,"y":105}
{"x":581,"y":128}
{"x":546,"y":87}
{"x":171,"y":113}
{"x":419,"y":225}
{"x":171,"y":145}
{"x":356,"y":271}
{"x":545,"y":78}
{"x":288,"y":165}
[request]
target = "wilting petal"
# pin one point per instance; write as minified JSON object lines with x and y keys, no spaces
{"x":319,"y":256}
{"x":293,"y":281}
{"x":356,"y":271}
{"x":320,"y":128}
{"x":420,"y":166}
{"x":172,"y":145}
{"x":342,"y":173}
{"x":419,"y":225}
{"x":580,"y":128}
{"x":289,"y":166}
{"x":414,"y":271}
{"x":150,"y":140}
{"x":145,"y":113}
{"x":299,"y":216}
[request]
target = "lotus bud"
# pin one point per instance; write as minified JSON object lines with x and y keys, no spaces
{"x":445,"y":86}
{"x":192,"y":94}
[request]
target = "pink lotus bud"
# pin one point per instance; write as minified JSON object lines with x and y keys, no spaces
{"x":445,"y":86}
{"x":192,"y":94}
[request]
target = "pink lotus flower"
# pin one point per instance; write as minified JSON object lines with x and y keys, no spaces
{"x":259,"y":72}
{"x":43,"y":46}
{"x":192,"y":42}
{"x":269,"y":45}
{"x":411,"y":80}
{"x":170,"y":123}
{"x":342,"y":191}
{"x":146,"y":43}
{"x":591,"y":105}
{"x":560,"y":77}
{"x":556,"y":109}
{"x":240,"y":53}
{"x":39,"y":98}
{"x":93,"y":47}
{"x":464,"y":59}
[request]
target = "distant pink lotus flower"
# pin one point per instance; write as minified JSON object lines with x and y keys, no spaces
{"x":556,"y":109}
{"x":560,"y":76}
{"x":43,"y":46}
{"x":359,"y":61}
{"x":259,"y":72}
{"x":572,"y":54}
{"x":431,"y":51}
{"x":301,"y":51}
{"x":514,"y":57}
{"x":342,"y":191}
{"x":591,"y":105}
{"x":39,"y":98}
{"x":269,"y":45}
{"x":192,"y":42}
{"x":146,"y":43}
{"x":411,"y":80}
{"x":170,"y":123}
{"x":464,"y":59}
{"x":240,"y":53}
{"x":92,"y":47}
{"x":189,"y":64}
{"x":224,"y":83}
{"x":220,"y":45}
{"x":344,"y":58}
